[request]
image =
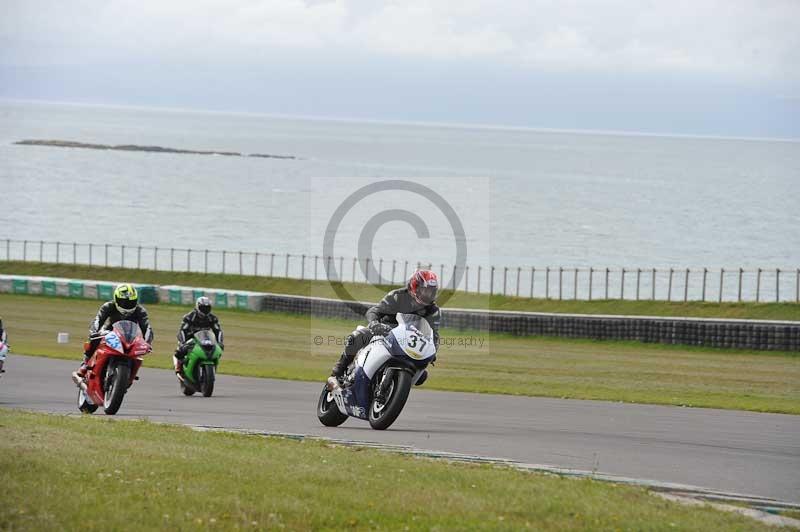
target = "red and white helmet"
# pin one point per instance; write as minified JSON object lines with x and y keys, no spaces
{"x":423,"y":286}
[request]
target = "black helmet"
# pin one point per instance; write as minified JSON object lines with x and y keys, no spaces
{"x":203,"y":306}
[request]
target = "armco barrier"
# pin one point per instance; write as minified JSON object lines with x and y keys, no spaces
{"x":742,"y":334}
{"x":220,"y":298}
{"x":78,"y":288}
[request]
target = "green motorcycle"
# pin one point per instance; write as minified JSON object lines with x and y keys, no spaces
{"x":200,"y":364}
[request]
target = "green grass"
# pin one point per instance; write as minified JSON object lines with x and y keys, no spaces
{"x":87,"y":473}
{"x":364,"y":292}
{"x":280,"y":345}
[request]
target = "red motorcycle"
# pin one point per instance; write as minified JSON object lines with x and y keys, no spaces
{"x":112,"y":369}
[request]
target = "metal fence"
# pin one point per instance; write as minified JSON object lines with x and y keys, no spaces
{"x":550,"y":282}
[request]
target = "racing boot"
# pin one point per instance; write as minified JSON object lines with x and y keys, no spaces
{"x":84,"y":366}
{"x":178,"y":364}
{"x":341,"y":365}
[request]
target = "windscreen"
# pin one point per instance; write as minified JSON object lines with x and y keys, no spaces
{"x":127,"y":331}
{"x":417,"y":322}
{"x":205,"y":336}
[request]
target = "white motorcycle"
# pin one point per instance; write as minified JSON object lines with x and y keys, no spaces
{"x":3,"y":354}
{"x":376,"y":385}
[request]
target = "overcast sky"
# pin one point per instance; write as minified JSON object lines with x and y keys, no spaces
{"x":722,"y":67}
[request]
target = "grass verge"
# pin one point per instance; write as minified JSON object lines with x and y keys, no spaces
{"x":299,"y":347}
{"x":364,"y":292}
{"x":73,"y":473}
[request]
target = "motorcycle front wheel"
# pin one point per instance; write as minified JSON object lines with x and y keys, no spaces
{"x":383,"y":413}
{"x":116,"y":389}
{"x":207,"y":377}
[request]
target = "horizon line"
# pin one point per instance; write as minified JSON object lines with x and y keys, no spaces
{"x":418,"y":123}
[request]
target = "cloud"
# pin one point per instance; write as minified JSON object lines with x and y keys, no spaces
{"x":745,"y":39}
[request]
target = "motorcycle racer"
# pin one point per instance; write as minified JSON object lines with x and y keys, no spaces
{"x":198,"y":319}
{"x":124,"y":306}
{"x":417,"y":297}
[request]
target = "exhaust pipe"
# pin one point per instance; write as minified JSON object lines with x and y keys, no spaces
{"x":79,"y":381}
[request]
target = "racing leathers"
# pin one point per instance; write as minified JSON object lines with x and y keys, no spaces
{"x":196,"y":321}
{"x":108,"y":315}
{"x":381,"y":319}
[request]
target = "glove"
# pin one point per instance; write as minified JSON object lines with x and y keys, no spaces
{"x":378,"y":329}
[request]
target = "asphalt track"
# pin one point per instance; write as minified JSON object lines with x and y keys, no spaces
{"x":732,"y":451}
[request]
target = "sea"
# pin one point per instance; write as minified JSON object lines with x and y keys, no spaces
{"x":431,"y":193}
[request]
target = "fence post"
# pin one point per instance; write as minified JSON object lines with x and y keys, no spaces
{"x":188,"y":260}
{"x":505,"y":276}
{"x":303,"y":266}
{"x":139,"y":257}
{"x":777,"y":285}
{"x":341,"y":269}
{"x":41,"y":250}
{"x":686,"y":286}
{"x":105,"y":253}
{"x":758,"y":286}
{"x":466,"y":278}
{"x":224,"y":259}
{"x":560,"y":280}
{"x":608,"y":270}
{"x":739,"y":297}
{"x":205,"y":261}
{"x":241,"y":269}
{"x":491,"y":283}
{"x":721,"y":278}
{"x":366,"y":270}
{"x":8,"y":249}
{"x":122,"y":254}
{"x":653,"y":282}
{"x":479,"y":279}
{"x":622,"y":285}
{"x":797,"y":287}
{"x":316,"y":258}
{"x":441,"y":272}
{"x":155,"y":257}
{"x":547,"y":282}
{"x":591,"y":274}
{"x":58,"y":251}
{"x":380,"y":269}
{"x":705,"y":274}
{"x":533,"y":276}
{"x":271,"y":264}
{"x":519,"y":271}
{"x":669,"y":286}
{"x":638,"y":281}
{"x":455,"y":267}
{"x":287,"y":266}
{"x":74,"y":253}
{"x":405,"y":270}
{"x":172,"y":259}
{"x":394,"y":268}
{"x":255,"y":267}
{"x":353,"y":277}
{"x":575,"y":284}
{"x":24,"y":251}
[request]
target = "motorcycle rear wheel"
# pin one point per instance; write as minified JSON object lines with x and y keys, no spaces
{"x":383,"y":414}
{"x":83,"y":403}
{"x":327,"y":411}
{"x":115,"y":392}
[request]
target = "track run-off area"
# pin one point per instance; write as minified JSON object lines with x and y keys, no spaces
{"x":747,"y":453}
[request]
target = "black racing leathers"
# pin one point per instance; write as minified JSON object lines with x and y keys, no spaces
{"x":398,"y":301}
{"x":108,"y":315}
{"x":195,"y":321}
